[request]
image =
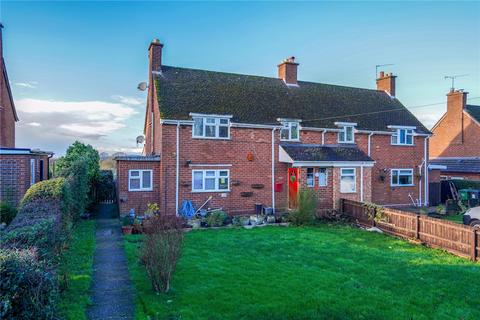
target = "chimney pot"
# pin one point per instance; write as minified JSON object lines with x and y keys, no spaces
{"x":382,"y":74}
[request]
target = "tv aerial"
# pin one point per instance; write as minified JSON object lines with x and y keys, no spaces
{"x":381,"y":65}
{"x":452,"y":88}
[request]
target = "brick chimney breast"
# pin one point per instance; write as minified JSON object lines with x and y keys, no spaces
{"x":287,"y":71}
{"x":155,"y":55}
{"x":456,"y":101}
{"x":386,"y":82}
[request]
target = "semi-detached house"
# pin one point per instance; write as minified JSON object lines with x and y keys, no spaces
{"x":244,"y":140}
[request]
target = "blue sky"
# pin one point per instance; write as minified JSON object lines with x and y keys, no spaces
{"x":74,"y":66}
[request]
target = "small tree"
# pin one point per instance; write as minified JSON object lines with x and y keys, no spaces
{"x":162,"y":249}
{"x":307,"y":208}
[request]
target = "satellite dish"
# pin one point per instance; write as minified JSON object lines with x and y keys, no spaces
{"x":142,"y":86}
{"x":140,"y":140}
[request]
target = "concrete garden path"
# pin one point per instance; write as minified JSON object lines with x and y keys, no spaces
{"x":112,"y":291}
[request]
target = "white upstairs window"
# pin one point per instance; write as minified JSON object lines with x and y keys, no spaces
{"x":140,"y":180}
{"x":403,"y":137}
{"x":211,"y":127}
{"x":290,"y":131}
{"x":347,"y":135}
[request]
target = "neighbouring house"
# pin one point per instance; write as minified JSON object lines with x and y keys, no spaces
{"x":241,"y":140}
{"x":19,"y":167}
{"x":455,"y":141}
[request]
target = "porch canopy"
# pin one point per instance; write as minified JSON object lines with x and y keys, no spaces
{"x":315,"y":155}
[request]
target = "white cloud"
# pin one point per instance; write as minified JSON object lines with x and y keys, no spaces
{"x":52,"y":124}
{"x":29,"y":85}
{"x":129,"y":100}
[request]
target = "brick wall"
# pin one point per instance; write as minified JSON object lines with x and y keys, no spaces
{"x":15,"y":175}
{"x":7,"y":117}
{"x":137,"y":200}
{"x":456,"y":134}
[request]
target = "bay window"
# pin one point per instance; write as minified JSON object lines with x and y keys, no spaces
{"x":401,"y":177}
{"x":210,"y":180}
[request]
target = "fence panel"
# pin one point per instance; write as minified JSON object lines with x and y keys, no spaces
{"x":458,"y":239}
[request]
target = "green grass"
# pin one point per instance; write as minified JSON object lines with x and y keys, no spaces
{"x":77,"y":264}
{"x":458,"y":218}
{"x":324,"y":272}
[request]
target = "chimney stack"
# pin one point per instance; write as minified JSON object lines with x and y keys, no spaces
{"x":155,"y":55}
{"x":386,"y":82}
{"x":287,"y":71}
{"x":456,"y":101}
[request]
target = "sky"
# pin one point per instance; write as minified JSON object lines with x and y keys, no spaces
{"x":74,"y":67}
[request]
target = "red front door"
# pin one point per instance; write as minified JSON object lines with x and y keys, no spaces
{"x":293,"y":183}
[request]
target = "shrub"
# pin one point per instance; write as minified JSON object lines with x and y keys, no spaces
{"x":161,"y":249}
{"x":77,"y":180}
{"x":216,"y":219}
{"x":7,"y":212}
{"x":43,"y":235}
{"x":28,"y":289}
{"x":307,"y":208}
{"x":53,"y":189}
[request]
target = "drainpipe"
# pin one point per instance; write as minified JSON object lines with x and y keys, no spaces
{"x":369,"y":142}
{"x":425,"y":152}
{"x":152,"y":138}
{"x":273,"y":170}
{"x":323,"y":136}
{"x":178,"y":168}
{"x":361,"y":183}
{"x":420,"y":184}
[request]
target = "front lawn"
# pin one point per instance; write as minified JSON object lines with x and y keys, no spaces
{"x":331,"y":272}
{"x":76,"y":269}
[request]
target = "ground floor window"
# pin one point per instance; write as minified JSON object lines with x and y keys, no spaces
{"x":33,"y":171}
{"x":310,"y":178}
{"x":347,"y":180}
{"x":140,"y":180}
{"x":401,"y":177}
{"x":322,"y":177}
{"x":210,"y":180}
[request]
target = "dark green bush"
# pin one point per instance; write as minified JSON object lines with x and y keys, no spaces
{"x":466,"y":184}
{"x":54,"y":189}
{"x":216,"y":219}
{"x":105,"y":186}
{"x":28,"y":288}
{"x":77,"y":181}
{"x":7,"y":212}
{"x":44,"y":236}
{"x":307,"y":209}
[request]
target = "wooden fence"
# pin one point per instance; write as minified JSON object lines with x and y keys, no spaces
{"x":458,"y":239}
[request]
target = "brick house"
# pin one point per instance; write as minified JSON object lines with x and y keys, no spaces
{"x":19,"y":167}
{"x":455,"y":142}
{"x":243,"y":139}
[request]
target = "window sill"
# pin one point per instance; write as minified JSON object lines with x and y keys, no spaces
{"x":348,"y":192}
{"x":346,"y":142}
{"x":402,"y":185}
{"x":210,"y":191}
{"x":211,"y":138}
{"x":290,"y":140}
{"x":402,"y":145}
{"x":140,"y":190}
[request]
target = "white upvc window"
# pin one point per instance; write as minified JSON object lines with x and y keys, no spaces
{"x":32,"y":171}
{"x":322,"y":177}
{"x":401,"y":177}
{"x":211,"y":127}
{"x":210,"y":180}
{"x":290,"y":131}
{"x":348,"y":180}
{"x":403,"y":137}
{"x":140,"y":180}
{"x":347,"y":134}
{"x":310,"y":177}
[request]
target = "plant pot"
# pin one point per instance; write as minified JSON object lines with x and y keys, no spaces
{"x":127,"y":229}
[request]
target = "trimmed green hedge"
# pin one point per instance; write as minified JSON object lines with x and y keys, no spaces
{"x":466,"y":184}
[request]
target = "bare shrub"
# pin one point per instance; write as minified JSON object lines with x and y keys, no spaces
{"x":161,"y":249}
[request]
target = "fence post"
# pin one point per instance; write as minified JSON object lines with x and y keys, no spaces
{"x":474,"y":244}
{"x":417,"y":227}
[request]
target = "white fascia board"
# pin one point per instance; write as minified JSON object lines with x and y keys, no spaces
{"x":15,"y":151}
{"x":436,"y":167}
{"x":300,"y":164}
{"x":340,"y":123}
{"x":210,"y":115}
{"x":401,"y":127}
{"x":283,"y":156}
{"x":321,"y":129}
{"x":176,"y":122}
{"x":209,"y":165}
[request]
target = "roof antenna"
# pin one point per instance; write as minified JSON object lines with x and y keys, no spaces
{"x":453,"y":80}
{"x":381,"y":65}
